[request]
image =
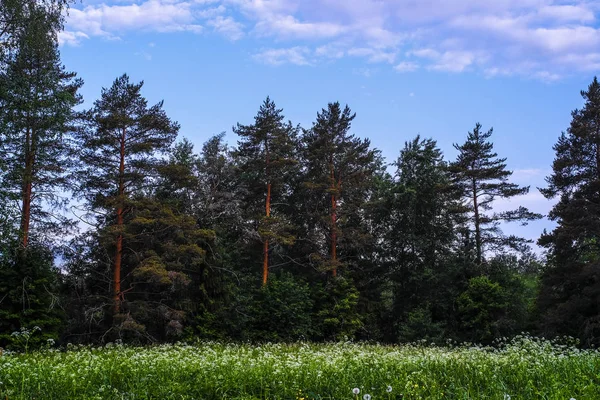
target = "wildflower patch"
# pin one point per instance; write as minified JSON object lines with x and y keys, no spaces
{"x":524,"y":368}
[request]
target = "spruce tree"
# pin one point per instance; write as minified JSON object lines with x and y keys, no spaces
{"x":417,"y":220}
{"x":267,"y":161}
{"x":570,"y":286}
{"x":120,"y":141}
{"x":482,"y":178}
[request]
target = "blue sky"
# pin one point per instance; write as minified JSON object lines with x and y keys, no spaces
{"x":406,"y":67}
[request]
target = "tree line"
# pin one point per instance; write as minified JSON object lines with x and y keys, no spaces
{"x":113,"y":228}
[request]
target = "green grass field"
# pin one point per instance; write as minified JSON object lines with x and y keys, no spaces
{"x":522,"y":369}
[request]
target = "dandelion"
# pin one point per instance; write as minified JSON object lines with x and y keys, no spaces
{"x":356,"y":390}
{"x":367,"y":397}
{"x":389,"y":389}
{"x":506,"y":397}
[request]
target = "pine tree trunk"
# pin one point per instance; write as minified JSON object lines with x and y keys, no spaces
{"x":266,"y":243}
{"x":334,"y":233}
{"x":333,"y":219}
{"x":120,"y":210}
{"x":27,"y":188}
{"x":477,"y":224}
{"x":265,"y":272}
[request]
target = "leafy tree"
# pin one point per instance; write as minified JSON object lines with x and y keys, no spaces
{"x":571,"y":286}
{"x":266,"y":157}
{"x":37,"y":98}
{"x":119,"y":142}
{"x":483,"y":178}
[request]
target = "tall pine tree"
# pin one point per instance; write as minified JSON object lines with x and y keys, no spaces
{"x":267,"y":161}
{"x":339,"y":176}
{"x":37,"y":98}
{"x":120,"y":142}
{"x":482,"y":178}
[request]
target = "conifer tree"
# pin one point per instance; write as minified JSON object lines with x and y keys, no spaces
{"x":339,"y":171}
{"x":570,"y":286}
{"x":482,"y":178}
{"x":419,"y":220}
{"x":266,"y":157}
{"x":15,"y":14}
{"x":119,"y":143}
{"x":37,"y":98}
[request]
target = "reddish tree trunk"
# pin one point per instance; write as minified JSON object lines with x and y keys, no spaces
{"x":333,"y":218}
{"x":27,"y":189}
{"x":477,"y":223}
{"x":265,"y":272}
{"x":334,"y":232}
{"x":120,"y":210}
{"x":266,"y":243}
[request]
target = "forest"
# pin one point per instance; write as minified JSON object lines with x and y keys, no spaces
{"x":114,"y":228}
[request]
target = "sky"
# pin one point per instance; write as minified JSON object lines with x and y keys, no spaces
{"x":406,"y":67}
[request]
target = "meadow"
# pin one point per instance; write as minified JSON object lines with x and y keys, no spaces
{"x":524,"y":368}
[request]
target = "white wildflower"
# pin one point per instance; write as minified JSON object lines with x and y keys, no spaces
{"x":356,"y":390}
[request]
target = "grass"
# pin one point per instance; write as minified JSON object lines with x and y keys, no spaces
{"x":525,"y":368}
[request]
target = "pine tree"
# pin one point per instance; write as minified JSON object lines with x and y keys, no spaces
{"x":267,"y":160}
{"x":37,"y":98}
{"x":339,"y":176}
{"x":482,"y":178}
{"x":119,"y":143}
{"x":570,"y":286}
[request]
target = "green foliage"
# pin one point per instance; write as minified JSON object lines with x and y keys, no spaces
{"x":337,"y":316}
{"x":29,"y":298}
{"x":419,"y":325}
{"x":480,"y":307}
{"x":280,"y":311}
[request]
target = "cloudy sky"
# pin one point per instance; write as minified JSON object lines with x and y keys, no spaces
{"x":406,"y":67}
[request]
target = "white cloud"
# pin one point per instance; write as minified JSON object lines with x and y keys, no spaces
{"x":453,"y":61}
{"x":567,"y":13}
{"x":450,"y":61}
{"x":373,"y":55}
{"x":544,"y":39}
{"x":293,"y":55}
{"x":152,"y":15}
{"x":71,"y":38}
{"x":228,"y":27}
{"x":211,"y":12}
{"x":289,"y":26}
{"x":406,"y":66}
